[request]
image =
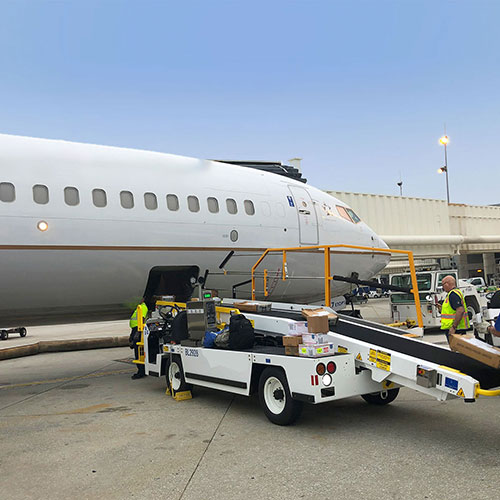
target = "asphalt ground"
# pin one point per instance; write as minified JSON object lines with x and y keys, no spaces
{"x":74,"y":424}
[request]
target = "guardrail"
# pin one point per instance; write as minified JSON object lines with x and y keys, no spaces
{"x":328,"y":277}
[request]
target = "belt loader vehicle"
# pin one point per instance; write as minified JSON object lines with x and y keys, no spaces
{"x":362,"y":359}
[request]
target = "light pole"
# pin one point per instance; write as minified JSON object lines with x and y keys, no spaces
{"x":444,"y":141}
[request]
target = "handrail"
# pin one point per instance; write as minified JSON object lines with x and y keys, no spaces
{"x":327,"y":274}
{"x":485,"y":392}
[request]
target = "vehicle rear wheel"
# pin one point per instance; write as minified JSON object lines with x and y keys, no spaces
{"x":275,"y":398}
{"x":471,"y":312}
{"x":4,"y":335}
{"x":382,"y":397}
{"x":22,"y":332}
{"x":175,"y":376}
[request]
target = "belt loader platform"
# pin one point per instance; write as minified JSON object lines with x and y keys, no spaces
{"x":368,"y":360}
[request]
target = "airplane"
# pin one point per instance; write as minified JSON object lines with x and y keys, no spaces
{"x":87,"y":230}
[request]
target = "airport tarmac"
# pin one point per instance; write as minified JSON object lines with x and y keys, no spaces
{"x":73,"y":424}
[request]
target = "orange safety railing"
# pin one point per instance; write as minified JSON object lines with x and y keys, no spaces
{"x":327,"y":274}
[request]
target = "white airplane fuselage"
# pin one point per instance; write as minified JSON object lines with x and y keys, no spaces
{"x":94,"y":261}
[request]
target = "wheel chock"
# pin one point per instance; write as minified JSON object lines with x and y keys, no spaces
{"x":167,"y":392}
{"x":182,"y":395}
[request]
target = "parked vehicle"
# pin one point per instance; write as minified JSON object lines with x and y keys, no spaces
{"x":431,"y":294}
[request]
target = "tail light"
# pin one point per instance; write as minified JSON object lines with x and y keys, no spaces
{"x":331,"y":367}
{"x":320,"y":369}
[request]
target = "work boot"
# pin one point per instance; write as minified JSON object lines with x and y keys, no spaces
{"x":135,"y":376}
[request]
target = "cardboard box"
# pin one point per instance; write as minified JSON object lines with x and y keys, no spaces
{"x":291,"y":350}
{"x":253,"y":306}
{"x":476,"y":349}
{"x":314,"y":338}
{"x":297,"y":328}
{"x":306,"y":313}
{"x":292,"y":341}
{"x":316,"y":350}
{"x":318,"y":324}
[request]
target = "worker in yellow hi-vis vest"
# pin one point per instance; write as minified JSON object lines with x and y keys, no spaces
{"x":135,"y":336}
{"x":454,"y":317}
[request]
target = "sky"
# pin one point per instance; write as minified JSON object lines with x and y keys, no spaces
{"x":360,"y":90}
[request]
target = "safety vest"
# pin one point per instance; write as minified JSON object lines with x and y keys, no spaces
{"x":133,"y":318}
{"x":448,"y":313}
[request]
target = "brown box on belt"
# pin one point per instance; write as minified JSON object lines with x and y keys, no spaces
{"x":476,"y":349}
{"x":292,"y":341}
{"x":248,"y":306}
{"x":291,"y":350}
{"x":307,"y":313}
{"x":317,"y":324}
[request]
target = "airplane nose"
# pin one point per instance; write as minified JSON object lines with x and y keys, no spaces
{"x":379,"y":242}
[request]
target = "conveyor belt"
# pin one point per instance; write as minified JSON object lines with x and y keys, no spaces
{"x":390,"y":338}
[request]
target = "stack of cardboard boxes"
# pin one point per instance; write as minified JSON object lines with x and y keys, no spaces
{"x":313,"y":341}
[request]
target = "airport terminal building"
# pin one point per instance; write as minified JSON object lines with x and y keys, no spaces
{"x":438,"y":233}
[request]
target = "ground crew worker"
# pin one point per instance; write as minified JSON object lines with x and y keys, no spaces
{"x":495,"y":329}
{"x":454,"y":318}
{"x":135,"y":337}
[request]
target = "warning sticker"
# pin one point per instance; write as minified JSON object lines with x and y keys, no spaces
{"x":359,"y":356}
{"x":386,"y":384}
{"x":381,"y":359}
{"x":342,"y":349}
{"x":461,"y":393}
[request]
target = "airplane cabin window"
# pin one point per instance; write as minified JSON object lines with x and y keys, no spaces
{"x":265,"y":208}
{"x":193,"y":204}
{"x":7,"y":192}
{"x":280,"y":209}
{"x":249,"y":208}
{"x":71,"y":196}
{"x":213,"y":205}
{"x":99,"y":198}
{"x":150,"y":201}
{"x":343,"y":213}
{"x":354,"y":217}
{"x":127,"y":199}
{"x":40,"y":194}
{"x":172,"y":202}
{"x":231,"y":205}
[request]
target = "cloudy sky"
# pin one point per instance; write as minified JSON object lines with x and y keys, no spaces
{"x":361,"y":90}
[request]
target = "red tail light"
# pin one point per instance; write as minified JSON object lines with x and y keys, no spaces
{"x":331,"y":367}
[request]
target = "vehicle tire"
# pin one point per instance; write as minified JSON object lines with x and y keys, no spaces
{"x":471,"y":312}
{"x":275,"y":398}
{"x":381,"y":398}
{"x":175,"y":376}
{"x":22,"y":332}
{"x":4,"y":335}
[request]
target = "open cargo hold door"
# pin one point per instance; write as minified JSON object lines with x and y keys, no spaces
{"x":171,"y":280}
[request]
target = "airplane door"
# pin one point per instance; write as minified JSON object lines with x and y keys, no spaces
{"x":308,"y":222}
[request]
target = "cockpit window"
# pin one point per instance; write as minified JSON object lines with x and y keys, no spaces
{"x":354,"y":217}
{"x":343,"y":213}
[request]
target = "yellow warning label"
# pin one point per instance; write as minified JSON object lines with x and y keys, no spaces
{"x":342,"y":349}
{"x":381,"y":359}
{"x":387,"y":385}
{"x":165,"y":348}
{"x":359,"y":356}
{"x":461,"y":393}
{"x":383,"y":365}
{"x":383,"y":356}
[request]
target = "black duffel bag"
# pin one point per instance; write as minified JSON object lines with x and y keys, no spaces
{"x":241,"y":333}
